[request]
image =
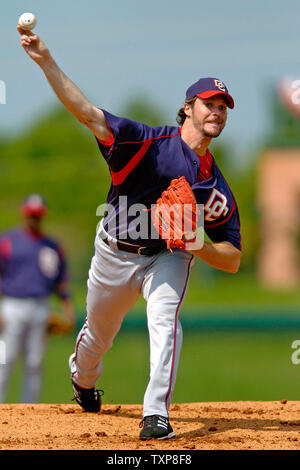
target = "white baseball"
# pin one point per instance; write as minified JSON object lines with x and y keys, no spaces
{"x":27,"y":21}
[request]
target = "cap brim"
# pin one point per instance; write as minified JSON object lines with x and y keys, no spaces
{"x":208,"y":94}
{"x":29,"y":211}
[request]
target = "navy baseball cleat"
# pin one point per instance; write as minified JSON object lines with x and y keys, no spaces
{"x":88,"y":398}
{"x":157,"y":427}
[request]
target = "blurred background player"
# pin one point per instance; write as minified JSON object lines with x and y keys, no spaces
{"x":32,"y":267}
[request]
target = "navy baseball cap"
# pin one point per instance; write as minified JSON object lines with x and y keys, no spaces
{"x":34,"y":204}
{"x":208,"y":87}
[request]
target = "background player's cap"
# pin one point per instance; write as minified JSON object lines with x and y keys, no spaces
{"x":208,"y":87}
{"x":34,"y":204}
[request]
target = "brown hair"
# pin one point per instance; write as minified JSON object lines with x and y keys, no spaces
{"x":181,"y":116}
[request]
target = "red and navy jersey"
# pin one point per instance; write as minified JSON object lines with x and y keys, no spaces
{"x":142,"y":161}
{"x":30,"y":265}
{"x":221,"y":216}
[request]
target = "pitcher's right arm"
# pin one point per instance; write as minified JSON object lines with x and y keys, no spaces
{"x":67,"y":92}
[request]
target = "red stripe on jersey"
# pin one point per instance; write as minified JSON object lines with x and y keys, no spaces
{"x":140,"y":141}
{"x":107,"y":143}
{"x":118,"y":177}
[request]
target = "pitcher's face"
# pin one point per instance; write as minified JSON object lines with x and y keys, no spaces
{"x":208,"y":116}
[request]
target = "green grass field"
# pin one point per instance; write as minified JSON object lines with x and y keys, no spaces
{"x":214,"y":366}
{"x":220,"y":292}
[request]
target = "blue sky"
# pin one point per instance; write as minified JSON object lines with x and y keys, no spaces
{"x":114,"y":50}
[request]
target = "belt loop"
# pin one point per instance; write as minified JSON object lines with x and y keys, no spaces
{"x":112,"y":244}
{"x":108,"y":240}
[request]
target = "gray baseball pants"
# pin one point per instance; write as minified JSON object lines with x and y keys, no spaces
{"x":116,"y":280}
{"x":24,"y":333}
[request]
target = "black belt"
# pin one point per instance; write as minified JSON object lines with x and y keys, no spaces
{"x":140,"y":250}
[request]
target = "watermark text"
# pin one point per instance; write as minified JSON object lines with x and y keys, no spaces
{"x":137,"y":222}
{"x":296,"y":354}
{"x":2,"y":92}
{"x":2,"y":352}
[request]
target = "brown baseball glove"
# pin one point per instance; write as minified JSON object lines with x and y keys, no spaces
{"x":59,"y":325}
{"x":175,"y":214}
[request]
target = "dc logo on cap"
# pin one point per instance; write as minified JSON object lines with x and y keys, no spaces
{"x":220,"y":85}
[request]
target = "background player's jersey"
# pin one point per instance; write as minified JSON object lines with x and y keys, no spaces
{"x":30,"y":265}
{"x":142,"y":161}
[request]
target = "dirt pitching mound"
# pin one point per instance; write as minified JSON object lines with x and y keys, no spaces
{"x":198,"y":426}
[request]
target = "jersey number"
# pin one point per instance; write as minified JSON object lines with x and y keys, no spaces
{"x":215,"y":206}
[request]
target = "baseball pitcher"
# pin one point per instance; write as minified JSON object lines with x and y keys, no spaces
{"x":160,"y":168}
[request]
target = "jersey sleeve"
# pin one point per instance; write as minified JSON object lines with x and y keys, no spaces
{"x":125,"y":131}
{"x":227,"y":230}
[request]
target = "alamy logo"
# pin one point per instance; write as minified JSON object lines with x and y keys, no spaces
{"x":2,"y":352}
{"x":296,"y":354}
{"x":296,"y":94}
{"x":2,"y":92}
{"x":136,"y":221}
